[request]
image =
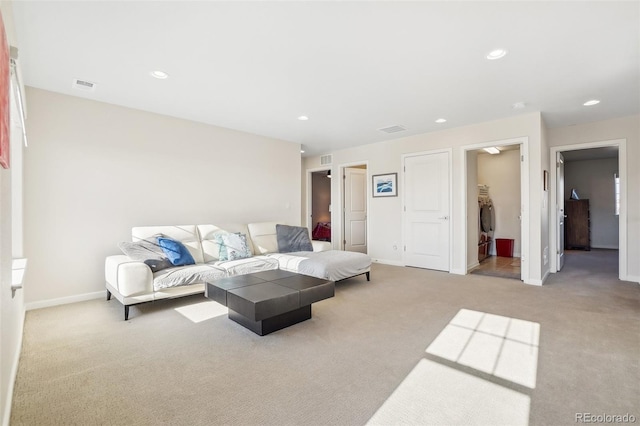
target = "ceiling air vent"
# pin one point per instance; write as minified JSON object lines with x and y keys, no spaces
{"x":325,"y":159}
{"x":393,"y":129}
{"x":85,"y":85}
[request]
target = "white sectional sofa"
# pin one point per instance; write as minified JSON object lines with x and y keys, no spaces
{"x":133,"y":282}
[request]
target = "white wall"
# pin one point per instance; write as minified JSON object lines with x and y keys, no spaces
{"x":94,"y":170}
{"x":473,"y":212}
{"x":545,"y":210}
{"x":502,"y":174}
{"x":618,"y":128}
{"x":593,"y":180}
{"x":385,"y":214}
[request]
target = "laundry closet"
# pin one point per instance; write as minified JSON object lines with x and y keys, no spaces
{"x":498,"y":213}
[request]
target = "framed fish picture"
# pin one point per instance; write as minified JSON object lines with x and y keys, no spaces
{"x":385,"y":185}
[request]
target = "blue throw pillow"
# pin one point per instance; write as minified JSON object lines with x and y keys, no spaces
{"x":176,"y":252}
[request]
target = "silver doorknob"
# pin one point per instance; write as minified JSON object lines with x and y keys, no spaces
{"x":444,"y":217}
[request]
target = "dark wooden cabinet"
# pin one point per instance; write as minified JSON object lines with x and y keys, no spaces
{"x":577,"y":225}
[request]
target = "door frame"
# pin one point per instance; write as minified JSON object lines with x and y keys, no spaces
{"x":309,"y":208}
{"x":622,"y":220}
{"x":402,"y":187}
{"x":559,"y":246}
{"x":337,"y":225}
{"x":525,"y":258}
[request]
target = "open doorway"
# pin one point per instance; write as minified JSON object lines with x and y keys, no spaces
{"x":320,"y":205}
{"x":588,"y":213}
{"x":497,"y":197}
{"x":499,"y":227}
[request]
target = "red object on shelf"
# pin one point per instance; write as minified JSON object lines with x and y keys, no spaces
{"x":504,"y":247}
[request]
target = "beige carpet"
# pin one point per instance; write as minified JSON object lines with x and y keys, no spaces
{"x":361,"y":358}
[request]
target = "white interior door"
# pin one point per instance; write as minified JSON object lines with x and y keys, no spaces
{"x":355,"y":210}
{"x":427,"y":217}
{"x":560,"y":209}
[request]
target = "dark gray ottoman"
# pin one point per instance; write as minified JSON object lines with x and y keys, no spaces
{"x":268,"y":301}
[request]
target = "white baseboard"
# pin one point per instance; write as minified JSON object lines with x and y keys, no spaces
{"x":388,"y":262}
{"x":65,"y":300}
{"x":605,"y":247}
{"x":13,"y":375}
{"x":538,"y":282}
{"x":546,"y":275}
{"x":633,"y":278}
{"x":473,"y":265}
{"x":458,"y":272}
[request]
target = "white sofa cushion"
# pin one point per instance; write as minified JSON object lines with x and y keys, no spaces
{"x":186,"y":234}
{"x":248,"y":265}
{"x":264,"y":237}
{"x":334,"y":265}
{"x":184,"y":275}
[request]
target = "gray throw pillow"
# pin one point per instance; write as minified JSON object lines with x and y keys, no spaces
{"x":147,"y":252}
{"x":293,"y":238}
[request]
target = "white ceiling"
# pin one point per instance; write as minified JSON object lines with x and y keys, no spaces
{"x":352,"y":67}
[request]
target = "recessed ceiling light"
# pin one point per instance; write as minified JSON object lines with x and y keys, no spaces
{"x":496,"y":54}
{"x":302,"y":151}
{"x":159,"y":74}
{"x":518,"y":105}
{"x":303,"y":118}
{"x":441,"y":120}
{"x":591,"y":102}
{"x":492,"y":150}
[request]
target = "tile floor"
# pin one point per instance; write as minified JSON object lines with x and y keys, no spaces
{"x":497,"y":266}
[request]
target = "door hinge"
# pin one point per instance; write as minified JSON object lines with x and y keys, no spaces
{"x":522,"y":158}
{"x":405,"y":248}
{"x":405,"y":208}
{"x":344,"y":242}
{"x":404,"y":168}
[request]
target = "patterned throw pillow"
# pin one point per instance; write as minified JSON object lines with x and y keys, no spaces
{"x":221,"y":248}
{"x":236,"y":246}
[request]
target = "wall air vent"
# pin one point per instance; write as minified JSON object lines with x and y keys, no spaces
{"x":85,"y":85}
{"x":393,"y":129}
{"x":325,"y":159}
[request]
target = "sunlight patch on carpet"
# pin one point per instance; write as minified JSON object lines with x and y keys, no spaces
{"x":434,"y":394}
{"x":501,"y":346}
{"x":203,"y":311}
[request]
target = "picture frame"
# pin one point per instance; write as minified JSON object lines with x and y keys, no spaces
{"x":385,"y":185}
{"x":545,"y":180}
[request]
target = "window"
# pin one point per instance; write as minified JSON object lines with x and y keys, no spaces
{"x":616,"y":186}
